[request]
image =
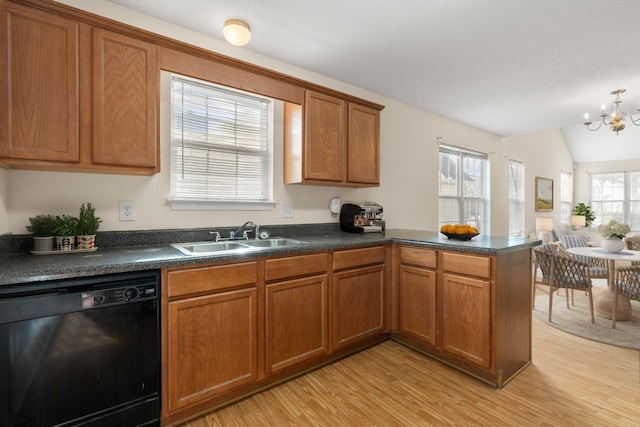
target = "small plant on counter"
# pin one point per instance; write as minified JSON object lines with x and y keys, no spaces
{"x":42,"y":226}
{"x":88,"y":222}
{"x":66,"y":225}
{"x":66,"y":228}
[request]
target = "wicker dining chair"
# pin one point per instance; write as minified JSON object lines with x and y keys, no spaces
{"x":544,"y":280}
{"x":628,"y":285}
{"x":560,"y":272}
{"x":633,"y":244}
{"x":598,"y":268}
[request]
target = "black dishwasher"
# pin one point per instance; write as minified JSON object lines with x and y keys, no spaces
{"x":81,"y":351}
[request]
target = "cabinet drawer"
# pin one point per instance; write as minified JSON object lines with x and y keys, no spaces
{"x":208,"y":279}
{"x":358,"y":257}
{"x":472,"y":265}
{"x":295,"y":266}
{"x":418,"y":256}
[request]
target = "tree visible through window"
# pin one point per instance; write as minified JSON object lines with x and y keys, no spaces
{"x":220,"y":143}
{"x":463,"y":188}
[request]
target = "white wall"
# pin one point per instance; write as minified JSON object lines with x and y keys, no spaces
{"x":409,"y":164}
{"x":543,"y":154}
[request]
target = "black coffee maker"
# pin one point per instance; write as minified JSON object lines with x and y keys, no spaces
{"x":361,"y":218}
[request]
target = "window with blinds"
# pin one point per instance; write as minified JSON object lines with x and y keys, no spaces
{"x":463,"y":188}
{"x":516,"y":198}
{"x":566,"y":197}
{"x":615,"y":195}
{"x":221,"y":143}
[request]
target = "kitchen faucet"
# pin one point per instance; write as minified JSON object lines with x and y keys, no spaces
{"x":242,"y":229}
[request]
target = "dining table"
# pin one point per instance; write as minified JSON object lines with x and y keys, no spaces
{"x":603,"y":301}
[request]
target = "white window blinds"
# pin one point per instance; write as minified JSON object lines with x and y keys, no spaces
{"x":463,"y":188}
{"x":516,"y":198}
{"x":220,"y":143}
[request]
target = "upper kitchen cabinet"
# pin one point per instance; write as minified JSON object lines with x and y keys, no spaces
{"x":125,"y":101}
{"x":75,"y":97}
{"x":363,"y":148}
{"x":39,"y":93}
{"x":331,"y":141}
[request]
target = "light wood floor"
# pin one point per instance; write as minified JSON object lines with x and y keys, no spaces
{"x":572,"y":382}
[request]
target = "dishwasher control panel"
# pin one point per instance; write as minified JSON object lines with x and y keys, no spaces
{"x":121,"y":295}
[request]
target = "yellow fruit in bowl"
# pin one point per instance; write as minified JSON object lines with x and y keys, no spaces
{"x":461,"y":230}
{"x":458,"y":229}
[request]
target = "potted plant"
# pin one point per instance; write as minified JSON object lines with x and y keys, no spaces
{"x":613,"y":233}
{"x":43,"y":228}
{"x":66,"y":229}
{"x":586,"y":212}
{"x":88,"y":224}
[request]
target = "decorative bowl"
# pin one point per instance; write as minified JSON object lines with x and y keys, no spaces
{"x":460,"y":236}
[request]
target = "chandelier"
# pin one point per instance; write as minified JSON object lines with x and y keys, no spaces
{"x":616,"y":118}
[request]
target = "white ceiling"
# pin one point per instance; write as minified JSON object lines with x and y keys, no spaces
{"x":509,"y":67}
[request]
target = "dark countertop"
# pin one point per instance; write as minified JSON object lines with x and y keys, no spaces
{"x":24,"y":267}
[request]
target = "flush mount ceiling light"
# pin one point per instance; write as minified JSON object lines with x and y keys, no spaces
{"x":617,"y":116}
{"x":236,"y":32}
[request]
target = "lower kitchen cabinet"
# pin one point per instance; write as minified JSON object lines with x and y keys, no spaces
{"x":468,"y":310}
{"x":212,"y":345}
{"x":210,"y":330}
{"x":466,"y":318}
{"x":417,"y":293}
{"x":357,"y":295}
{"x":296,"y":322}
{"x":296,"y":310}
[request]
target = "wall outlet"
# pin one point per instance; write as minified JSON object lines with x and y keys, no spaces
{"x":287,"y":210}
{"x":127,"y":210}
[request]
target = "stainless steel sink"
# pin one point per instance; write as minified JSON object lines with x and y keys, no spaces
{"x":277,"y":242}
{"x":220,"y":248}
{"x":211,"y":248}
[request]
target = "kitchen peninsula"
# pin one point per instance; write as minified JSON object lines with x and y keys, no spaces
{"x":465,"y":303}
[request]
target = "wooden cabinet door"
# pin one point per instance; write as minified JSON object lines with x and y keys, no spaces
{"x":417,"y":309}
{"x":125,"y":101}
{"x":212,"y":346}
{"x":325,"y":135}
{"x":466,"y":318}
{"x":39,"y":93}
{"x":296,"y":321}
{"x":357,"y":304}
{"x":363,"y":146}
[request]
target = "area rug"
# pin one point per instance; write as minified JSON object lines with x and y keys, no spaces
{"x":577,"y":321}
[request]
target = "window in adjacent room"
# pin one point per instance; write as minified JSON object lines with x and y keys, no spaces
{"x":463,"y":188}
{"x":516,"y":198}
{"x":221,"y":147}
{"x":616,"y":195}
{"x":566,"y":197}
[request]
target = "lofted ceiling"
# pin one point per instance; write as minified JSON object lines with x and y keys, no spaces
{"x":504,"y":66}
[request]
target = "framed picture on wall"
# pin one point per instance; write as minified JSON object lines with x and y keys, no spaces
{"x":544,"y":194}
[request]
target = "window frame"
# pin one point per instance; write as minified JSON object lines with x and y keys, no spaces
{"x":227,"y":202}
{"x":566,"y":188}
{"x":630,"y":182}
{"x":463,"y":202}
{"x":518,"y":182}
